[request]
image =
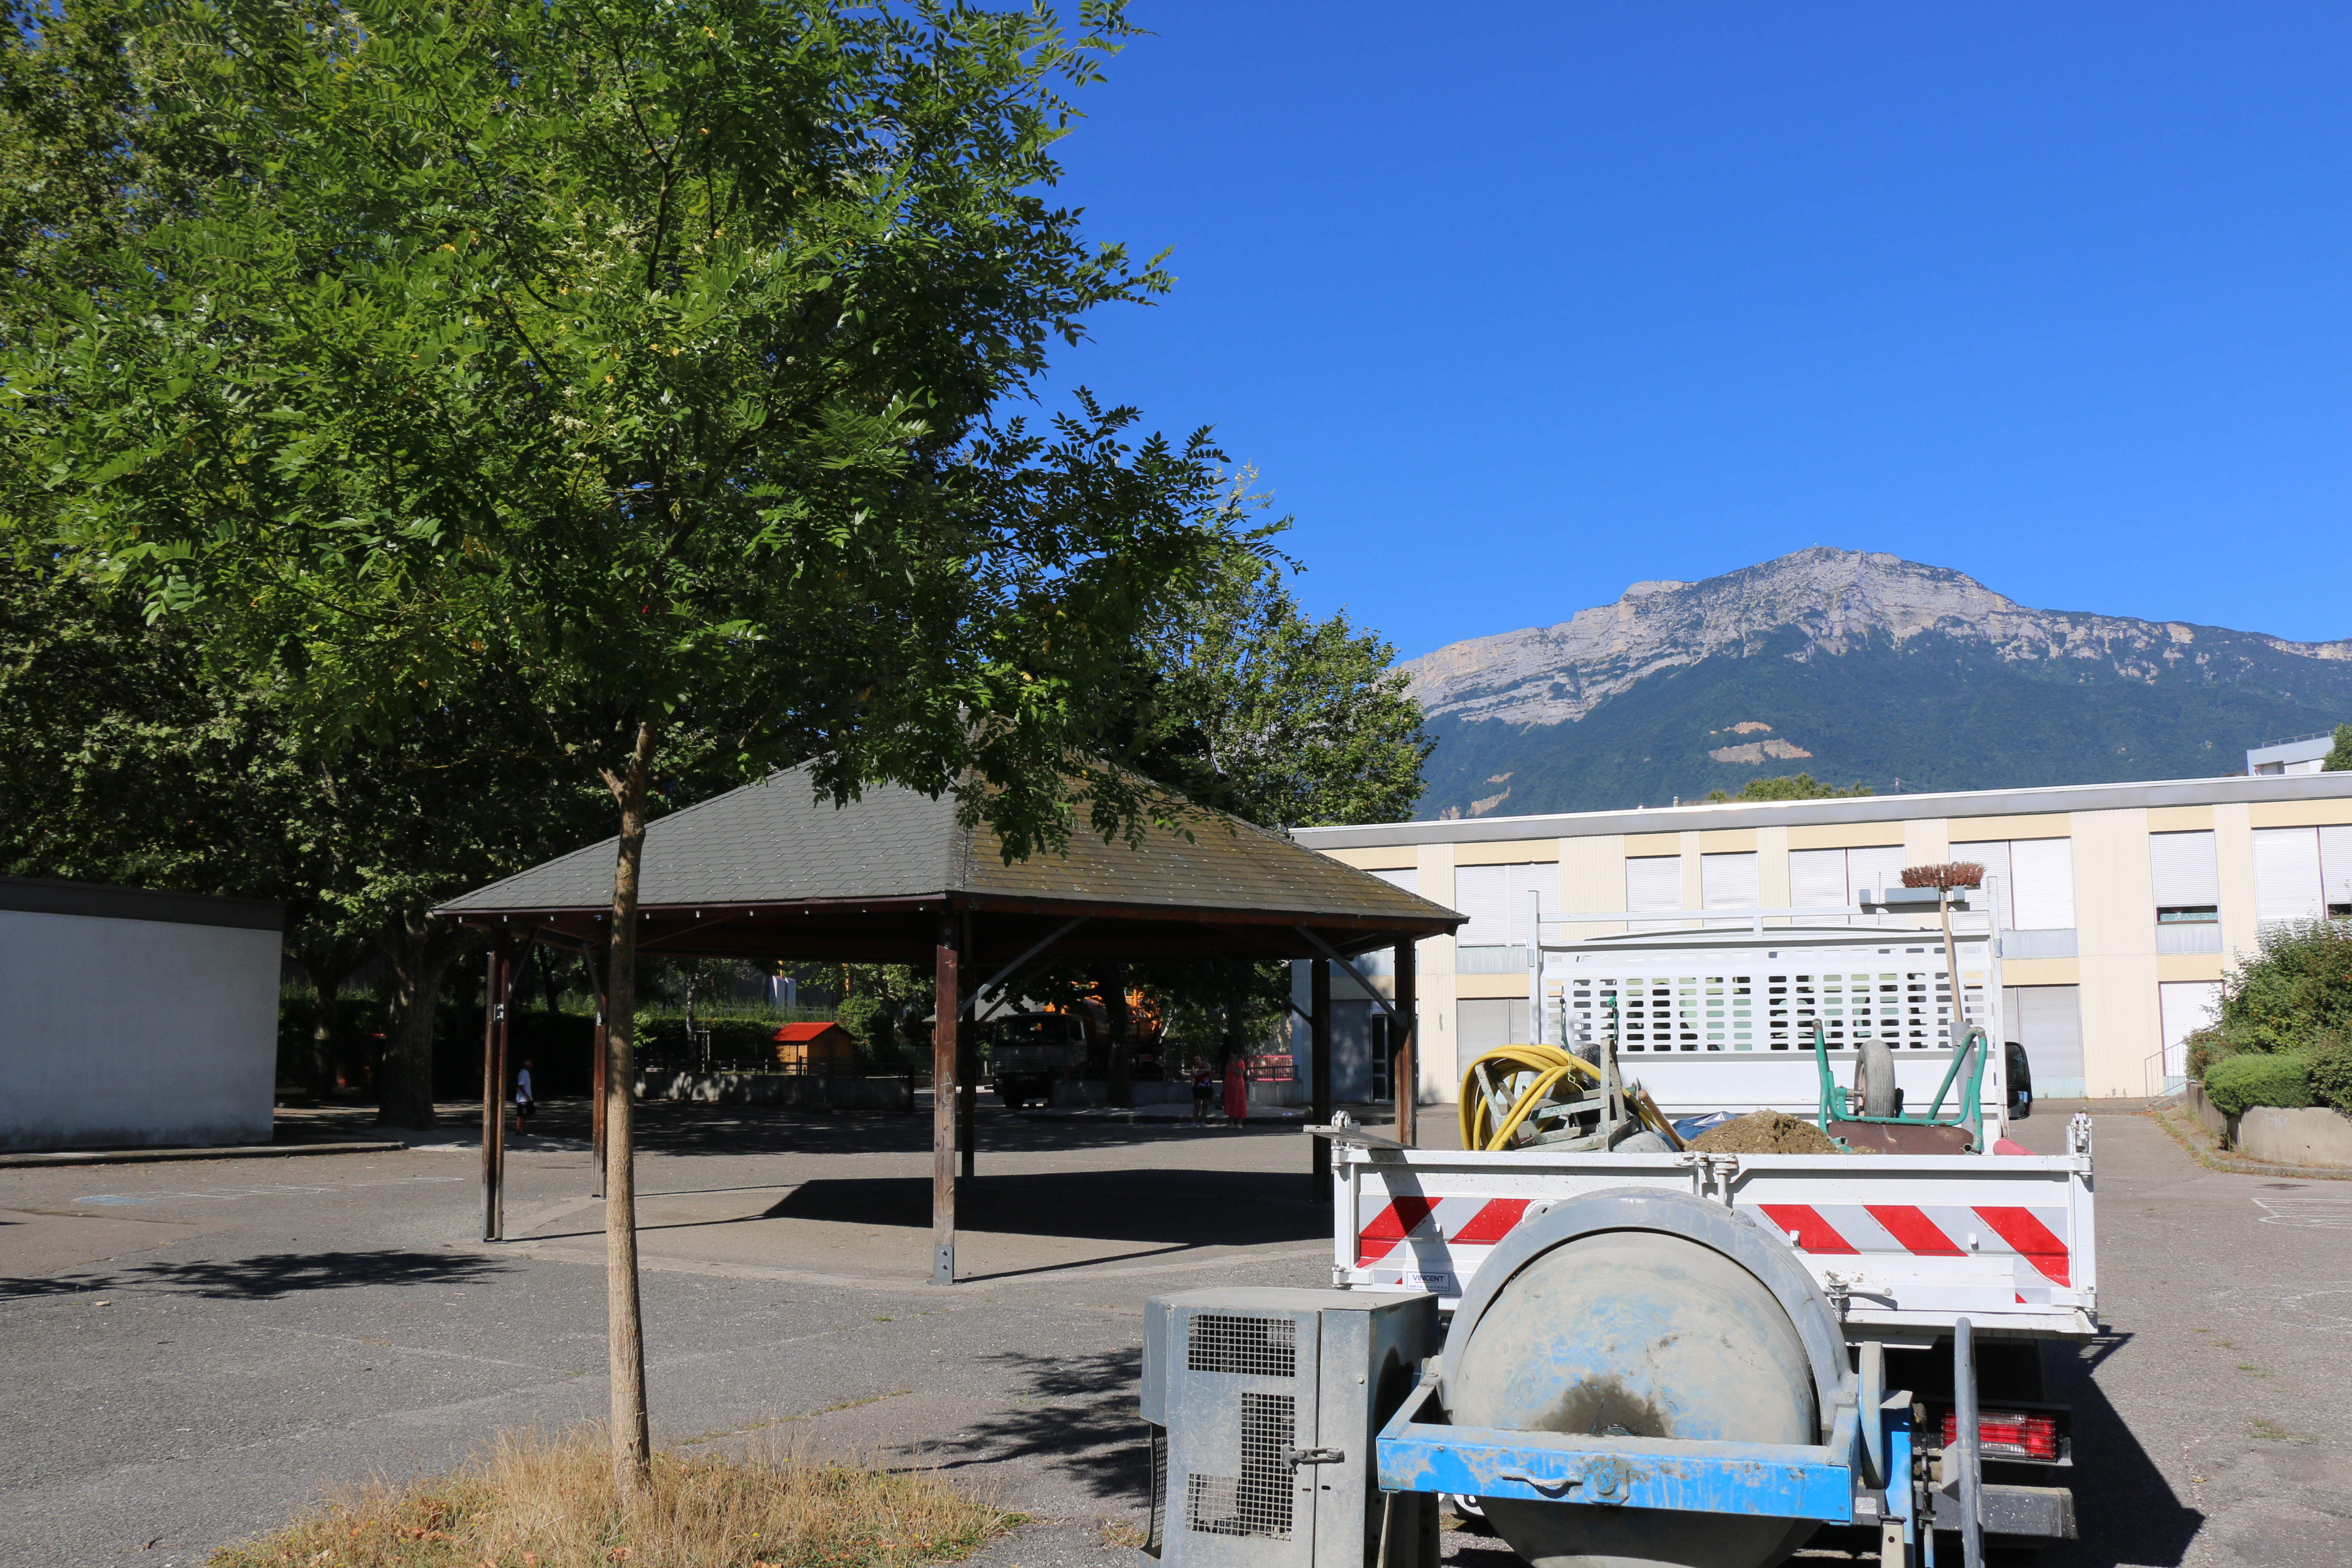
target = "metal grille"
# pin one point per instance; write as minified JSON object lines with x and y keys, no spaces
{"x":1900,"y":995}
{"x":1258,"y":1502}
{"x":1253,"y":1347}
{"x":1159,"y":1490}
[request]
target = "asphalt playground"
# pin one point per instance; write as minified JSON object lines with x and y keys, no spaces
{"x":194,"y":1350}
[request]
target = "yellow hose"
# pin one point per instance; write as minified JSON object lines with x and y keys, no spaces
{"x":1549,"y":1063}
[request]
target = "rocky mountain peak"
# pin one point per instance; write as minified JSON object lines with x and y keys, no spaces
{"x":1815,"y":602}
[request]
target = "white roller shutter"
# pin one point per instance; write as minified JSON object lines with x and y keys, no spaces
{"x":1817,"y":880}
{"x":2187,"y":872}
{"x":1408,"y":879}
{"x":1654,"y":882}
{"x":2286,"y":874}
{"x":2336,"y":865}
{"x":1878,"y":868}
{"x":1523,"y":885}
{"x":2000,"y":881}
{"x":1478,"y":892}
{"x":2047,"y":1020}
{"x":2044,"y":895}
{"x":1729,"y":881}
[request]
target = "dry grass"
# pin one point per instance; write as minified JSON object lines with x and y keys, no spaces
{"x":531,"y":1501}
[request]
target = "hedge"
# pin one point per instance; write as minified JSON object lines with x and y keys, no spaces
{"x":2260,"y":1078}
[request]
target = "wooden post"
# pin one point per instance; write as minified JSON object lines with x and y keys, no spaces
{"x":491,"y":1110}
{"x":947,"y":995}
{"x":1403,"y":1075}
{"x":967,"y":1066}
{"x":1319,"y":1042}
{"x":499,"y":1013}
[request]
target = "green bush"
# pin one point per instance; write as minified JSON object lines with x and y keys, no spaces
{"x":2330,"y":1064}
{"x":2259,"y":1078}
{"x":2298,"y":988}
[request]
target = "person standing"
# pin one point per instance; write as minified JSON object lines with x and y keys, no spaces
{"x":1202,"y":1087}
{"x":1237,"y":1090}
{"x":525,"y":1102}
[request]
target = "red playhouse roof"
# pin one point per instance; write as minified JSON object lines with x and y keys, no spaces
{"x":801,"y":1033}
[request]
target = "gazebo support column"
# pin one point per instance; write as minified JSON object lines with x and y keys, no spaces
{"x":1404,"y":1075}
{"x":494,"y":1078}
{"x":946,"y":994}
{"x":1318,"y":1047}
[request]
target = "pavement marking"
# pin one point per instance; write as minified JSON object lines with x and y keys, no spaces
{"x":2323,"y":1214}
{"x":230,"y":1195}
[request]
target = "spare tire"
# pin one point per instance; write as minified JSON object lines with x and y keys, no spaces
{"x":1637,"y":1333}
{"x":1874,"y":1080}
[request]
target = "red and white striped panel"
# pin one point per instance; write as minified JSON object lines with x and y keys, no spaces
{"x":1437,"y":1244}
{"x":2033,"y":1236}
{"x":1431,"y":1244}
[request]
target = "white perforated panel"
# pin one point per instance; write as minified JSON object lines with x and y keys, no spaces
{"x":1666,"y":1001}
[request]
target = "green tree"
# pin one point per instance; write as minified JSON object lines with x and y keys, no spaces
{"x":639,"y":360}
{"x":1260,"y":710}
{"x":1793,"y":787}
{"x":2339,"y":755}
{"x":133,"y":762}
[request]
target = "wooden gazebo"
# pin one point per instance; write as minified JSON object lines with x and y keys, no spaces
{"x":772,"y":871}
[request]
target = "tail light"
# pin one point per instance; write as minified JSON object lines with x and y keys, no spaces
{"x":2008,"y":1434}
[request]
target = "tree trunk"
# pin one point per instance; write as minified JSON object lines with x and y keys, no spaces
{"x":1122,"y":1029}
{"x":632,"y":1443}
{"x":420,"y":954}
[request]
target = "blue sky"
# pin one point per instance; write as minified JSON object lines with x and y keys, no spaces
{"x":1514,"y":305}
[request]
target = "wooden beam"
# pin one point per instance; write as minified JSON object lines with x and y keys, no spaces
{"x":1405,"y":1076}
{"x":946,"y":979}
{"x":497,"y":959}
{"x":1318,"y":1035}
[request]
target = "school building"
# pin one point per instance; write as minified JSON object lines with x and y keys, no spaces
{"x":2117,"y":908}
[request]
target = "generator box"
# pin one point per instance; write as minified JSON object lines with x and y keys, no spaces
{"x":1264,"y":1404}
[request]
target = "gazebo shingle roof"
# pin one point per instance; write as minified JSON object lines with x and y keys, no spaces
{"x":775,"y":842}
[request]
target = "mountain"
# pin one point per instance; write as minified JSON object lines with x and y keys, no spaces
{"x":1853,"y":666}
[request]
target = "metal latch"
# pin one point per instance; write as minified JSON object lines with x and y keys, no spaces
{"x":1296,"y":1457}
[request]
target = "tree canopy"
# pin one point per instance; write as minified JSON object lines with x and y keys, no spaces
{"x":1792,"y":786}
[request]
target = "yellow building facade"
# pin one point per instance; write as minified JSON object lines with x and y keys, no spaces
{"x":2118,"y":907}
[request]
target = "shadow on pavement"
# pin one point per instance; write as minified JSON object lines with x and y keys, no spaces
{"x":685,"y":1129}
{"x":1080,"y":1417}
{"x":269,"y":1275}
{"x":2124,"y":1509}
{"x":1224,"y":1208}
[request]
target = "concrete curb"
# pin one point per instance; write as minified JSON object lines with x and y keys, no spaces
{"x":2196,"y":1143}
{"x":233,"y":1151}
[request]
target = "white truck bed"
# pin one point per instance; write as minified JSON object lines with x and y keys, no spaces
{"x":1906,"y":1244}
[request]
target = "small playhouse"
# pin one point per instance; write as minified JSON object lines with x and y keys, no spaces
{"x":818,"y":1050}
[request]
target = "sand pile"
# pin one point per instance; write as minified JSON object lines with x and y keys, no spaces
{"x":1765,"y":1133}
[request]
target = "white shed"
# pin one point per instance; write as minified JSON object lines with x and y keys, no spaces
{"x":135,"y":1019}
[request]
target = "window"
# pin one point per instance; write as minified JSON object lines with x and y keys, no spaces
{"x":2187,"y":880}
{"x":1408,"y":879}
{"x":2302,"y":873}
{"x":2030,"y":881}
{"x":1499,"y":899}
{"x":1834,"y":878}
{"x":1654,"y":882}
